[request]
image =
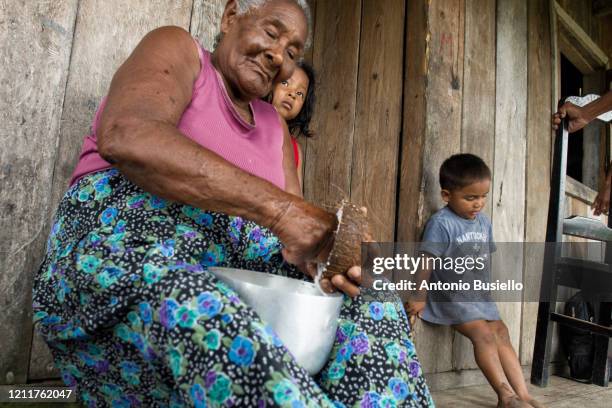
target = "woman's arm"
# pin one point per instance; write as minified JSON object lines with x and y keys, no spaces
{"x":601,"y":204}
{"x":138,"y":135}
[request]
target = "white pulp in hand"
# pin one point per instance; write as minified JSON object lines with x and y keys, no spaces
{"x":321,"y":266}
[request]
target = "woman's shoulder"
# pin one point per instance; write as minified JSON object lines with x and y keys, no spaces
{"x":266,"y":114}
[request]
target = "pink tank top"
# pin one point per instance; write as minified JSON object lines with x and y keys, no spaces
{"x":212,"y":121}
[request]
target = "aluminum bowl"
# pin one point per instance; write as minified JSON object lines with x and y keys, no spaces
{"x":304,"y":319}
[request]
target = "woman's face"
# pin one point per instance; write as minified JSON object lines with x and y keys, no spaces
{"x":260,"y":47}
{"x":289,"y":95}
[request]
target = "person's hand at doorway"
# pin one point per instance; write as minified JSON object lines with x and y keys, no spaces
{"x":601,"y":204}
{"x":578,"y":117}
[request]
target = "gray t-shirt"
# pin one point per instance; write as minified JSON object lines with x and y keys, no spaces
{"x":449,"y":236}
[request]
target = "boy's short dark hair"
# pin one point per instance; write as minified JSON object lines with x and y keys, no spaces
{"x":461,"y":170}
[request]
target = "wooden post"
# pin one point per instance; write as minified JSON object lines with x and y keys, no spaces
{"x":539,"y":145}
{"x":478,"y":114}
{"x":37,"y":42}
{"x":508,"y":189}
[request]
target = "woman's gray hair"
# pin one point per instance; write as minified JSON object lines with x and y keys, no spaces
{"x":244,"y":6}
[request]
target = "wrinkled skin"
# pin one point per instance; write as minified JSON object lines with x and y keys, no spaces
{"x":150,"y":91}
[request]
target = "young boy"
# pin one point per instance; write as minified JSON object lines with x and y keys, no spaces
{"x":460,"y":230}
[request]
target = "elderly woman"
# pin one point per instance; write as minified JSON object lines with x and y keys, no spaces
{"x":187,"y":168}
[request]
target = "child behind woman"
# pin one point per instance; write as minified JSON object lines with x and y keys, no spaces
{"x":294,"y":100}
{"x":461,"y":230}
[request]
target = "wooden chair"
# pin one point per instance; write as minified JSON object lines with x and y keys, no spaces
{"x":593,"y":278}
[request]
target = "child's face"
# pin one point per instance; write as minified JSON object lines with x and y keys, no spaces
{"x":288,"y":96}
{"x":468,"y":201}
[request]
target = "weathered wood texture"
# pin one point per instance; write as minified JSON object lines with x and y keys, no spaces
{"x":35,"y":41}
{"x":378,"y":114}
{"x":308,"y":58}
{"x":442,"y":135}
{"x":582,"y":12}
{"x":539,"y":138}
{"x":206,"y":20}
{"x":329,"y":155}
{"x":444,"y":93}
{"x":577,"y":44}
{"x":478,"y":113}
{"x":508,"y":198}
{"x":105,"y":34}
{"x":410,"y":196}
{"x":478,"y":122}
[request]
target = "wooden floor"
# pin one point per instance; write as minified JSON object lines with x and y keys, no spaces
{"x":560,"y":393}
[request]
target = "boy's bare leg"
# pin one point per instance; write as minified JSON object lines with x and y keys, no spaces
{"x":487,"y":357}
{"x":510,"y":362}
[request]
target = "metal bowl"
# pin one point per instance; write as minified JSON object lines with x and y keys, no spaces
{"x":304,"y":319}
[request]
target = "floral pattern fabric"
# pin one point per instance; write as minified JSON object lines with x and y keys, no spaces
{"x":133,"y":317}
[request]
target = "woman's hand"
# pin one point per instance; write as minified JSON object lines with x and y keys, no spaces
{"x":348,"y":284}
{"x":575,"y":115}
{"x":307,"y":233}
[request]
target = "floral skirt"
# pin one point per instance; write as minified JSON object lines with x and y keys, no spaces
{"x":133,"y":317}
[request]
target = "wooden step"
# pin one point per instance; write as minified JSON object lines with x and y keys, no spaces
{"x":585,"y":227}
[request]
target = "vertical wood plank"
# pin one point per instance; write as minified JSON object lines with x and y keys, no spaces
{"x":206,"y":21}
{"x":442,"y":134}
{"x":410,"y":197}
{"x":105,"y":34}
{"x":378,"y":116}
{"x":335,"y":57}
{"x":478,"y":113}
{"x":508,"y":198}
{"x":478,"y":122}
{"x":444,"y":93}
{"x":308,"y":58}
{"x":35,"y":43}
{"x":539,"y":145}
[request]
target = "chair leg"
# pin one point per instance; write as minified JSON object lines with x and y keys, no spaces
{"x":542,"y":346}
{"x":601,"y":366}
{"x":544,"y":328}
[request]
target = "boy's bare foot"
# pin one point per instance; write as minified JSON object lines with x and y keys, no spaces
{"x":512,"y":401}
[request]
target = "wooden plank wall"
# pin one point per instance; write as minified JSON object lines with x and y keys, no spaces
{"x":508,"y":198}
{"x":471,"y":95}
{"x":442,"y":138}
{"x":539,"y":138}
{"x":35,"y":41}
{"x":478,"y":113}
{"x":328,"y":157}
{"x":476,"y":78}
{"x":410,"y":192}
{"x":378,"y":114}
{"x":70,"y":53}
